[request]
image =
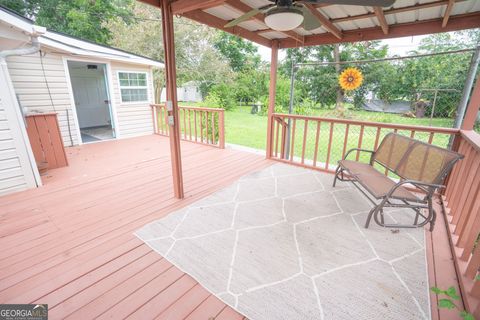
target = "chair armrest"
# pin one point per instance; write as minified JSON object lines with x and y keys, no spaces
{"x":424,"y":184}
{"x":419,"y":184}
{"x":357,"y":149}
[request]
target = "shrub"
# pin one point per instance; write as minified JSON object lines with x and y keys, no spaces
{"x":221,"y":96}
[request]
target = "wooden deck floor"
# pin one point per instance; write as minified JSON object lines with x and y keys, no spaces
{"x":70,"y":244}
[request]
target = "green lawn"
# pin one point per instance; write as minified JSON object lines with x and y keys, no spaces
{"x":246,"y":129}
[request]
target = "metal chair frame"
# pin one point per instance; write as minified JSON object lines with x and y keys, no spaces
{"x":428,"y":189}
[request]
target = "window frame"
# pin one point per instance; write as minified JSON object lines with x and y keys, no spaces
{"x":120,"y":87}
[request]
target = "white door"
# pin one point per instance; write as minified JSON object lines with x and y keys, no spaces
{"x":91,"y":97}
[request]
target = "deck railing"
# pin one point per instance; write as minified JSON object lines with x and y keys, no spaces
{"x":317,"y":142}
{"x":197,"y":124}
{"x":462,"y":202}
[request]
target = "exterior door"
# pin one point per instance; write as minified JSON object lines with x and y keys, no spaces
{"x":91,"y":97}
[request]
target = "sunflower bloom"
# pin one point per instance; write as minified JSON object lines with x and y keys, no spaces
{"x":350,"y":79}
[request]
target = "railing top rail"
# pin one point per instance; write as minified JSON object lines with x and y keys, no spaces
{"x":371,"y":123}
{"x":472,"y":138}
{"x":192,"y":108}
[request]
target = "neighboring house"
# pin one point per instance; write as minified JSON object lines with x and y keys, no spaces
{"x":98,"y":93}
{"x":188,"y":92}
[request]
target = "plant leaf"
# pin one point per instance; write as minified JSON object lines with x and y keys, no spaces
{"x":452,"y":293}
{"x":436,"y":290}
{"x":446,"y":303}
{"x":466,"y":316}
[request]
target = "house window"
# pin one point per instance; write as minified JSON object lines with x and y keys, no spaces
{"x":133,"y":86}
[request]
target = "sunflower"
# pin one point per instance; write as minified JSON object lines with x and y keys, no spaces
{"x":350,"y":79}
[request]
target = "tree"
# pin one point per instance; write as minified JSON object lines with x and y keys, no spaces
{"x":240,"y":53}
{"x":319,"y":83}
{"x":85,"y":19}
{"x":196,"y":58}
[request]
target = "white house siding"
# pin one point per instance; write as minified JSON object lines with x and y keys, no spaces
{"x":31,"y":88}
{"x":134,"y":119}
{"x":12,"y":174}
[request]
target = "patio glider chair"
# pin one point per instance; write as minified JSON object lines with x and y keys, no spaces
{"x":416,"y":163}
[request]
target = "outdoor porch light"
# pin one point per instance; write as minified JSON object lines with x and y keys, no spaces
{"x":283,"y":19}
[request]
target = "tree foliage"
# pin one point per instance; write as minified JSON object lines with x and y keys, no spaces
{"x":320,"y":83}
{"x":231,"y":69}
{"x":85,"y":19}
{"x":196,"y":58}
{"x":240,"y":53}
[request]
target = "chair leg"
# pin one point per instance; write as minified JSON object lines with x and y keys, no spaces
{"x":369,"y":217}
{"x":433,"y":213}
{"x":432,"y":222}
{"x":417,"y":215}
{"x":379,"y":210}
{"x":337,"y":171}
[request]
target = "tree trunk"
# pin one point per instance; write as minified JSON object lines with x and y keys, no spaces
{"x":336,"y":56}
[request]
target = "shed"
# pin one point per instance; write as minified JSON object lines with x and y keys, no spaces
{"x":97,"y":92}
{"x":188,"y":92}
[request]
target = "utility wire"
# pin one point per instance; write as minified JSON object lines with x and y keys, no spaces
{"x":313,"y":63}
{"x":51,"y":98}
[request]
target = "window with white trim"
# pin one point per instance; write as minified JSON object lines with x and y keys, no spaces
{"x":133,"y":86}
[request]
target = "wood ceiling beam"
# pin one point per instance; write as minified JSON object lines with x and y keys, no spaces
{"x":183,"y":6}
{"x":260,"y":17}
{"x":326,"y":23}
{"x":381,"y":19}
{"x":290,"y":34}
{"x":447,"y":13}
{"x":215,"y":22}
{"x":457,"y":22}
{"x":394,"y":11}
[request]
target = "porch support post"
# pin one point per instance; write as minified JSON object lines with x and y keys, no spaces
{"x":271,"y":96}
{"x":172,"y":103}
{"x":472,"y":109}
{"x":467,"y":88}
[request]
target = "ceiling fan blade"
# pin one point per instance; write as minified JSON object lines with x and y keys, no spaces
{"x":242,"y":18}
{"x":310,"y":22}
{"x":372,"y":3}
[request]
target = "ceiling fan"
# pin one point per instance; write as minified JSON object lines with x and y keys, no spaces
{"x":284,"y":15}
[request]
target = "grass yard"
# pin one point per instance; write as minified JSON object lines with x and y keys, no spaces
{"x":243,"y":128}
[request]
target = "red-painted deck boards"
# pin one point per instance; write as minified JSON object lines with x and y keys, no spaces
{"x":70,"y":243}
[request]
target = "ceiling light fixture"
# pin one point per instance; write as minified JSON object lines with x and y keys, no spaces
{"x":284,"y":18}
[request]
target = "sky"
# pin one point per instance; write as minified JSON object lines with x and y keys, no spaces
{"x":397,"y":46}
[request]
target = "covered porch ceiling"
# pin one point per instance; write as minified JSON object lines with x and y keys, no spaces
{"x":339,"y":23}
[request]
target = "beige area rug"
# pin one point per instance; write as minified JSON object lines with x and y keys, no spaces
{"x":283,"y":244}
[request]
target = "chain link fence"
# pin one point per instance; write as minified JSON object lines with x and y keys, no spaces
{"x":423,"y":90}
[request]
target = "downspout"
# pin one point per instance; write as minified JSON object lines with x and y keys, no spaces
{"x":34,"y":48}
{"x":11,"y":98}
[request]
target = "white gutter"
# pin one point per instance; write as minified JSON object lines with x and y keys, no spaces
{"x":8,"y":95}
{"x":34,"y":48}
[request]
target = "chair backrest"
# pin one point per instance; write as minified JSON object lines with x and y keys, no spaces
{"x":392,"y":149}
{"x":411,"y":159}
